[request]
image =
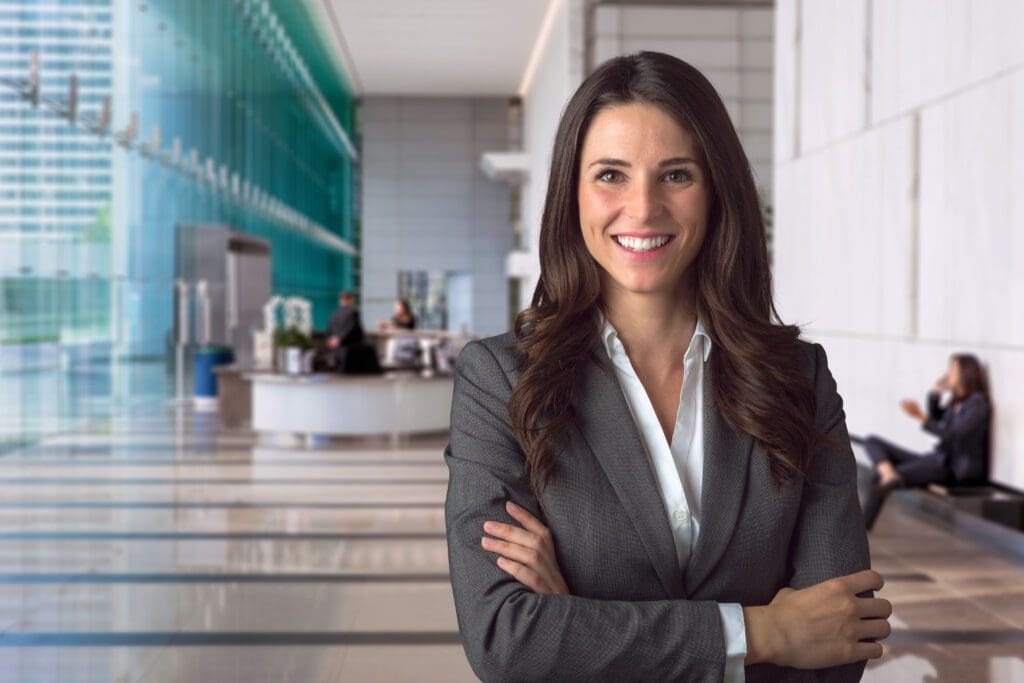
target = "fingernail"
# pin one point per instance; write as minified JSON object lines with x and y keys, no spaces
{"x":489,"y":526}
{"x":512,"y":506}
{"x":502,"y":562}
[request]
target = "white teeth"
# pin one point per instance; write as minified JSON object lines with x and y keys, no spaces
{"x":641,"y":244}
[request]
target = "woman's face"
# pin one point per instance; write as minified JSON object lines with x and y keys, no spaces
{"x":643,"y":198}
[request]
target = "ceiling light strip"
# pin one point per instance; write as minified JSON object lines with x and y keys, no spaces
{"x":546,"y":26}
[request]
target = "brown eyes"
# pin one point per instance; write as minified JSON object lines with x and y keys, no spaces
{"x":609,"y":176}
{"x":679,"y":176}
{"x":676,"y":176}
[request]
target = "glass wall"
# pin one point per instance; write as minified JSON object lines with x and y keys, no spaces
{"x":121,"y":120}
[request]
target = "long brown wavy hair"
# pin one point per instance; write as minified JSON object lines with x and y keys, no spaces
{"x":973,"y":378}
{"x":757,"y":363}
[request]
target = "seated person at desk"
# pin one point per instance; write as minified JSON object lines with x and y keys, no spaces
{"x":962,"y":425}
{"x":346,"y":339}
{"x":403,"y":319}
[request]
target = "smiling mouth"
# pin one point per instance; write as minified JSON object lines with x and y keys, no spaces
{"x":642,"y":244}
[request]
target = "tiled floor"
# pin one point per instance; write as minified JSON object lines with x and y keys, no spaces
{"x":164,"y":548}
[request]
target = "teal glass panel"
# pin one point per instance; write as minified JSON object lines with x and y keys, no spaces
{"x":228,"y":113}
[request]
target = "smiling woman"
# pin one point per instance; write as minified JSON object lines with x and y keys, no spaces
{"x":650,"y":477}
{"x":643,"y":208}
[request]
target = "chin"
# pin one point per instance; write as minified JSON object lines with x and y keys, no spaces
{"x":641,"y":286}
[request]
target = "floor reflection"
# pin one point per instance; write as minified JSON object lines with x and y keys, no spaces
{"x":156,"y":546}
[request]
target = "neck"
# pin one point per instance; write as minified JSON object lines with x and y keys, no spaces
{"x":652,"y":325}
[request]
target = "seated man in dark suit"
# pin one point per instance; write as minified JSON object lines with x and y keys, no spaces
{"x":347,"y":341}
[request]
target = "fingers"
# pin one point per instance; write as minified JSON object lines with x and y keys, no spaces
{"x":512,"y":533}
{"x":523,"y":516}
{"x":513,"y":551}
{"x":862,"y":651}
{"x":867,"y":580}
{"x":875,"y":629}
{"x":532,"y":536}
{"x":522,"y":574}
{"x":874,"y":608}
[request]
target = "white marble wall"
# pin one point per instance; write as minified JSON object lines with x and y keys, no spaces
{"x":899,"y":143}
{"x":428,"y":206}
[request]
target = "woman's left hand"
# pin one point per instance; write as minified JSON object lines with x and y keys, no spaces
{"x":528,"y":554}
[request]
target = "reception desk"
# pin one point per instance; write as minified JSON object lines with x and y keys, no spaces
{"x":348,"y":405}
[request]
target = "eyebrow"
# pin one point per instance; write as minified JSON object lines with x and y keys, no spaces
{"x":608,"y":161}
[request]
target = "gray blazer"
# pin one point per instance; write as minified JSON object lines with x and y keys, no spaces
{"x":632,"y":614}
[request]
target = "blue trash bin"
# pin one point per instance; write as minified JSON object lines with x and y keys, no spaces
{"x":207,"y":358}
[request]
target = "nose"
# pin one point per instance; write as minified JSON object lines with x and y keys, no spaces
{"x":642,"y":202}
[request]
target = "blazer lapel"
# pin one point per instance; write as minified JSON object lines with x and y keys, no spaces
{"x":605,"y":422}
{"x":726,"y":462}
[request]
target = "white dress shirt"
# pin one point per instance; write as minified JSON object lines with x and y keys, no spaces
{"x":679,"y":466}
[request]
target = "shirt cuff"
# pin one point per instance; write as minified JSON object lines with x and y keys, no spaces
{"x":735,"y":641}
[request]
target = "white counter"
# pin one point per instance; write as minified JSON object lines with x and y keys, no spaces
{"x":335,"y":405}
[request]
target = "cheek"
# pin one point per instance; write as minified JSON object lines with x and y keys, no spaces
{"x":594,"y":206}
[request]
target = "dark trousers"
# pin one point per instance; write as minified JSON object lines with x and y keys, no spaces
{"x":916,"y":469}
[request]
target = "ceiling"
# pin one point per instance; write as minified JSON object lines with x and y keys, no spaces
{"x":434,"y":47}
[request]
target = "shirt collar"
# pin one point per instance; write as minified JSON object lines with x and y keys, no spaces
{"x":700,"y":337}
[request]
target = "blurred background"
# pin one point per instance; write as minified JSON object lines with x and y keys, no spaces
{"x":186,"y":187}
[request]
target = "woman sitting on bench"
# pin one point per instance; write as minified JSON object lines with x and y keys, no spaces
{"x":962,"y":425}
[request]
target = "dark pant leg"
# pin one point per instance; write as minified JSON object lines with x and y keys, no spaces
{"x":923,"y":470}
{"x":340,"y":355}
{"x":881,"y":450}
{"x":915,"y":469}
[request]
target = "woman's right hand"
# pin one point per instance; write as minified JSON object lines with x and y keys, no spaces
{"x":819,"y":626}
{"x":913,"y":409}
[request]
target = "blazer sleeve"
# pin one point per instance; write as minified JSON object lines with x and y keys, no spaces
{"x":973,"y":413}
{"x":830,"y":539}
{"x":512,"y":634}
{"x":935,"y":408}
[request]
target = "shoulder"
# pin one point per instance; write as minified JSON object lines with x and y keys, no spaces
{"x":976,"y":401}
{"x":490,"y":358}
{"x":813,"y":358}
{"x":829,"y":404}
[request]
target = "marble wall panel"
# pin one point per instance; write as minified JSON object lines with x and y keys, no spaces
{"x":923,"y":50}
{"x":832,"y":56}
{"x":843,"y":234}
{"x":972,"y":215}
{"x":786,"y":80}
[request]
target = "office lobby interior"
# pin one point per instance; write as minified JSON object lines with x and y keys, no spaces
{"x":195,"y":485}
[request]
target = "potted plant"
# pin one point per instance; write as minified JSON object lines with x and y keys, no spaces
{"x":289,"y":345}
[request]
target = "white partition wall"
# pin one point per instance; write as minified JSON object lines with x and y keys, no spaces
{"x":428,"y":207}
{"x":899,"y":224}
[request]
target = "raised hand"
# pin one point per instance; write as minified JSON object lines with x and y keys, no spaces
{"x":912,"y":408}
{"x":527,"y":553}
